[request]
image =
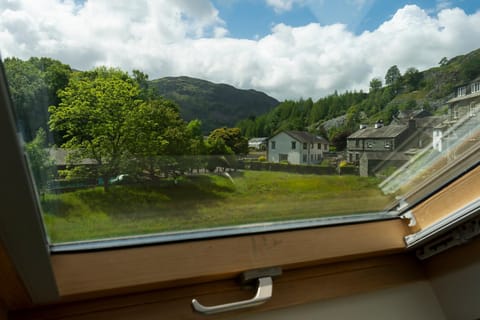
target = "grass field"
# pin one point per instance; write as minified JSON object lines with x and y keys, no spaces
{"x":205,"y":201}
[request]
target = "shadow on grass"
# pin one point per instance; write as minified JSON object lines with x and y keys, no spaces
{"x":57,"y":206}
{"x":165,"y":197}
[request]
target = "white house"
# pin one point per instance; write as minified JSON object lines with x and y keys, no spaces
{"x":296,"y":147}
{"x":258,"y":143}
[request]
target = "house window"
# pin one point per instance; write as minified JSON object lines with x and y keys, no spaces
{"x":312,"y":157}
{"x":475,"y":87}
{"x":357,"y":143}
{"x":387,"y":144}
{"x":473,"y":110}
{"x":311,"y":145}
{"x":273,"y":145}
{"x":282,"y":157}
{"x":455,"y":114}
{"x":294,"y":145}
{"x":304,"y":158}
{"x":461,"y":91}
{"x":319,"y":146}
{"x":305,"y":145}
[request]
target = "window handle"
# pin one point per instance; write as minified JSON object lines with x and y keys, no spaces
{"x":264,"y":292}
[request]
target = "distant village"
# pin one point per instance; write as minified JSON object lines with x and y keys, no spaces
{"x":373,"y":149}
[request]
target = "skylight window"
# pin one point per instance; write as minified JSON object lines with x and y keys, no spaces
{"x":142,"y":126}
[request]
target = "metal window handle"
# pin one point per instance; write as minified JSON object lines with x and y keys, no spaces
{"x":264,"y":292}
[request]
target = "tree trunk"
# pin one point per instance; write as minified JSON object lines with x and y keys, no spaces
{"x":106,"y":184}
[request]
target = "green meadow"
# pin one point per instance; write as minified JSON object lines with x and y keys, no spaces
{"x":205,"y":201}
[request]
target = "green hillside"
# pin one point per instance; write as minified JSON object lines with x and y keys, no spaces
{"x":216,"y":105}
{"x":410,"y":91}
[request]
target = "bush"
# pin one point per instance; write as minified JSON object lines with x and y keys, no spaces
{"x":262,"y":158}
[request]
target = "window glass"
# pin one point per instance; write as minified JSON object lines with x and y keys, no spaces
{"x":149,"y":117}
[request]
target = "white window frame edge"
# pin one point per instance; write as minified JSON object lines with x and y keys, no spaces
{"x":21,"y":229}
{"x":431,"y":232}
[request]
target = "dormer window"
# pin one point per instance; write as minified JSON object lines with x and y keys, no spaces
{"x":475,"y":87}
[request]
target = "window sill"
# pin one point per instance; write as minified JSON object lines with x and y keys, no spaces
{"x":294,"y":287}
{"x":104,"y":273}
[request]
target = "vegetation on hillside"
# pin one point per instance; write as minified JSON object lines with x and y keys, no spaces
{"x":216,"y":105}
{"x":411,"y":91}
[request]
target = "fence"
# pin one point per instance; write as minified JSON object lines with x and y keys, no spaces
{"x":291,"y":168}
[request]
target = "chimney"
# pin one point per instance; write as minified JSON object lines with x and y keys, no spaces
{"x":363,"y":126}
{"x":379,"y":124}
{"x":412,"y":124}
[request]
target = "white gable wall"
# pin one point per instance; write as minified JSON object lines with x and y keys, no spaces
{"x":283,"y":146}
{"x":283,"y":150}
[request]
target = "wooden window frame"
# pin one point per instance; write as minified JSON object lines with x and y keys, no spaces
{"x":25,"y":268}
{"x":30,"y":276}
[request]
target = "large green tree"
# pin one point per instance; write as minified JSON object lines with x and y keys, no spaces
{"x":412,"y":78}
{"x":375,"y":84}
{"x":94,"y":113}
{"x":233,"y":139}
{"x":392,"y":76}
{"x":159,"y":136}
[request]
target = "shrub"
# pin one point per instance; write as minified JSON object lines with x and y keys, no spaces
{"x":262,"y":158}
{"x":343,"y":164}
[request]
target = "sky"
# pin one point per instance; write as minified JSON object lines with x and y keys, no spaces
{"x":289,"y":49}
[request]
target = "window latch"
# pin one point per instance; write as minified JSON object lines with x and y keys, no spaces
{"x":264,"y":293}
{"x":412,"y":222}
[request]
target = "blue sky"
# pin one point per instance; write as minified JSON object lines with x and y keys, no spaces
{"x":288,"y":49}
{"x":255,"y":18}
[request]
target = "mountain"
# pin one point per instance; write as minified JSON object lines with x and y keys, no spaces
{"x":216,"y":105}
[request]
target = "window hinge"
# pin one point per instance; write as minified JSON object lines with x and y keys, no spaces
{"x":264,"y":292}
{"x":458,"y":236}
{"x":409,"y":215}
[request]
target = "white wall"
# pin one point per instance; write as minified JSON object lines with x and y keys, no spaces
{"x":283,"y":144}
{"x":458,"y":291}
{"x":414,"y":301}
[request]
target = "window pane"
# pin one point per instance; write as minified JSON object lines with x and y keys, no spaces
{"x":180,"y":117}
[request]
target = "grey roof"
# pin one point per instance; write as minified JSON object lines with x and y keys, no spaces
{"x":391,"y":131}
{"x":414,"y":114}
{"x":425,"y":122}
{"x":257,"y":140}
{"x":59,"y":156}
{"x":304,"y":136}
{"x":465,"y":97}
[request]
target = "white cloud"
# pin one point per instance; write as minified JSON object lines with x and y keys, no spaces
{"x":443,"y":4}
{"x":170,"y":38}
{"x":282,"y":5}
